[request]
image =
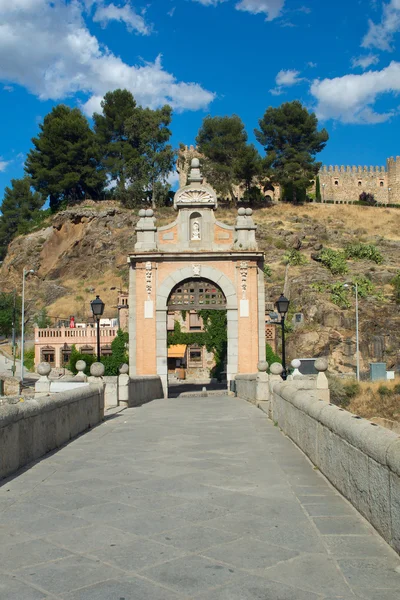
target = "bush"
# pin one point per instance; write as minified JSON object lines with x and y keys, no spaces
{"x":29,"y":359}
{"x":270,"y":356}
{"x":396,"y":388}
{"x":294,"y":258}
{"x":383,"y":390}
{"x":352,"y":389}
{"x":267,"y":271}
{"x":367,"y":199}
{"x":338,"y":393}
{"x":334,"y":260}
{"x":396,"y":285}
{"x":363,"y":252}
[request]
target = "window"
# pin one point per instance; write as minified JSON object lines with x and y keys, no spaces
{"x":359,"y":183}
{"x":381,"y":183}
{"x":336,"y":182}
{"x":195,"y":322}
{"x":195,"y":356}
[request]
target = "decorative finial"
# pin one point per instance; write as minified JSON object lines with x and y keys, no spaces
{"x":195,"y":175}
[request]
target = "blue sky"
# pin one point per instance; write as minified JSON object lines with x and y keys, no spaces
{"x":215,"y":57}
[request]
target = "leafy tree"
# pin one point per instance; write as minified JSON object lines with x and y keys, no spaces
{"x":367,"y":199}
{"x":270,"y":356}
{"x":118,"y":355}
{"x":42,"y":319}
{"x":64,"y":163}
{"x":318,"y":189}
{"x":291,"y":140}
{"x":153,"y":159}
{"x":294,"y":258}
{"x":229,"y":159}
{"x":75,"y":356}
{"x":111,"y":136}
{"x":9,"y":314}
{"x":20,"y":206}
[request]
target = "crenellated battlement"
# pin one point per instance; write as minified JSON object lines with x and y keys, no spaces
{"x":352,"y":169}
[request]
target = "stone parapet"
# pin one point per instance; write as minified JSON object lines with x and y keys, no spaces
{"x":361,"y":459}
{"x":31,"y":429}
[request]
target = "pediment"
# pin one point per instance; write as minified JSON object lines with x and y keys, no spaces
{"x":195,"y":195}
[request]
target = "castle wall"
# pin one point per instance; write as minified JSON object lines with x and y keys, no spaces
{"x":345,"y":184}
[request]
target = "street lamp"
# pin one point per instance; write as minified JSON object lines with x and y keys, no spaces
{"x":282,"y":306}
{"x":355,"y":285}
{"x":97,"y":307}
{"x":24,"y":274}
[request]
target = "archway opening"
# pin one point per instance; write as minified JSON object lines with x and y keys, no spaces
{"x":197,"y":337}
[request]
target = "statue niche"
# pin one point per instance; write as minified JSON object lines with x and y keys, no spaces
{"x":195,"y":227}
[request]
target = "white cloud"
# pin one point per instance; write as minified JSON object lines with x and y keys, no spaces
{"x":109,"y":12}
{"x":8,"y":88}
{"x":173,"y":180}
{"x":288,"y":77}
{"x":351,"y":98}
{"x":272,"y":8}
{"x":380,"y":35}
{"x":364,"y":61}
{"x":4,"y":164}
{"x":46,"y":47}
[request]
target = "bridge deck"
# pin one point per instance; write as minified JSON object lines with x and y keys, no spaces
{"x":187,"y":498}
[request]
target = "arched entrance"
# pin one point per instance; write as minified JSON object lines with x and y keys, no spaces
{"x":196,"y":261}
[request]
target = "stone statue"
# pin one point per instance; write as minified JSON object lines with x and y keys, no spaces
{"x":195,"y":230}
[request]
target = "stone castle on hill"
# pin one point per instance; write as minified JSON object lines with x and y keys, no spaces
{"x":337,"y":184}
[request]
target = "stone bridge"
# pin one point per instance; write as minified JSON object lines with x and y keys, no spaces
{"x":198,"y":498}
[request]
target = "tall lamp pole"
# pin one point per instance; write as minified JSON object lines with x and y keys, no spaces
{"x":24,"y":274}
{"x":355,"y":285}
{"x":97,"y":307}
{"x":282,"y":306}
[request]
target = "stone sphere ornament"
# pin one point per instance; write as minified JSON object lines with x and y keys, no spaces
{"x":149,"y":212}
{"x":142,"y":212}
{"x":44,"y":369}
{"x":249,"y":212}
{"x":195,"y":163}
{"x":80,"y":366}
{"x":97,"y":369}
{"x":321,"y":365}
{"x":241,"y":211}
{"x":296,"y":363}
{"x":262,"y":366}
{"x":124,"y":369}
{"x":276,"y":369}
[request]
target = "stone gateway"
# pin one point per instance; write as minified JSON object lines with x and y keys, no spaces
{"x":195,"y":246}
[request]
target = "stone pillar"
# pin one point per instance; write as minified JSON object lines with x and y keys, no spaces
{"x":42,"y":385}
{"x":321,"y":365}
{"x":96,"y":373}
{"x":245,"y":230}
{"x":262,"y":393}
{"x":276,"y":371}
{"x":146,"y":231}
{"x":123,"y":386}
{"x":296,"y":373}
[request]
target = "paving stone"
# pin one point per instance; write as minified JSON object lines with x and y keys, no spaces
{"x":48,"y":525}
{"x":195,"y":538}
{"x":359,"y":546}
{"x":257,"y":588}
{"x":330,"y":509}
{"x":138,"y":555}
{"x":192,"y":574}
{"x":371,"y":573}
{"x":13,"y":589}
{"x":87,"y":539}
{"x":353,"y":525}
{"x":129,"y":589}
{"x":13,"y":557}
{"x":67,"y":574}
{"x":196,"y":511}
{"x":249,"y":553}
{"x":148,"y":523}
{"x":316,"y":573}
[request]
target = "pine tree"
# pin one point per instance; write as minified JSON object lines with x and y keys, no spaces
{"x":111,"y":136}
{"x":318,"y":189}
{"x":19,"y":207}
{"x":64,"y":163}
{"x":291,"y":140}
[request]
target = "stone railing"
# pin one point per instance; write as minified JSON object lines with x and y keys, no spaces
{"x":120,"y":390}
{"x":360,"y":458}
{"x":30,"y":429}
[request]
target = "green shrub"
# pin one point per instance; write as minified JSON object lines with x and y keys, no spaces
{"x":294,"y":258}
{"x":396,"y":388}
{"x":352,"y":389}
{"x":267,"y":271}
{"x":29,"y":359}
{"x":338,"y":395}
{"x":363,"y":252}
{"x":334,"y":260}
{"x":270,"y":356}
{"x":383,"y":390}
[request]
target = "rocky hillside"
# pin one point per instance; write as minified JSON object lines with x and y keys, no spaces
{"x":82,"y":251}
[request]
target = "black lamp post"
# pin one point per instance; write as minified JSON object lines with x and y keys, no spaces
{"x":282,"y":306}
{"x":97,"y":307}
